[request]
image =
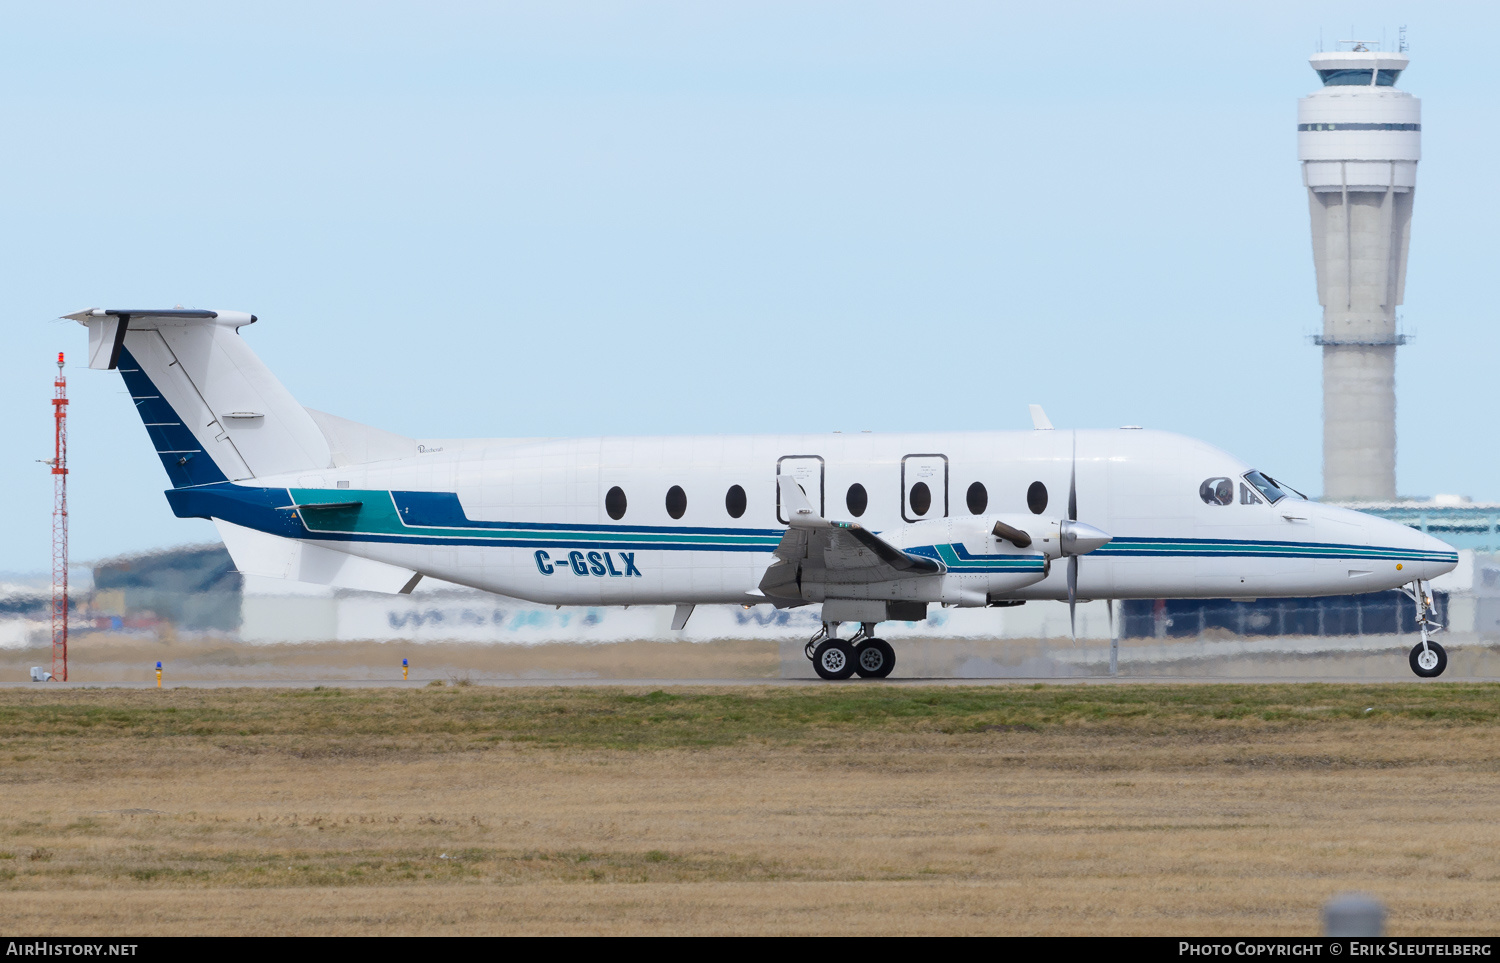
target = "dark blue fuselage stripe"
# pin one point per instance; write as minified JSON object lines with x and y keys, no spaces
{"x":533,"y":543}
{"x":265,"y":509}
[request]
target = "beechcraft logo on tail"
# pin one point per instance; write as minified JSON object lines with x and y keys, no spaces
{"x":589,"y":563}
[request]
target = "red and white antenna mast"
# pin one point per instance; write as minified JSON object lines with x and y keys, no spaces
{"x":60,"y":527}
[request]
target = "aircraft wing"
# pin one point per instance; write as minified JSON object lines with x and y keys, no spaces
{"x":846,"y":553}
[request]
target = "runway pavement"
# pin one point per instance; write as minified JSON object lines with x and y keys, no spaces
{"x":678,"y":683}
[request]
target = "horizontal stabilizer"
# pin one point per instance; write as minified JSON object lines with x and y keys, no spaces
{"x":108,"y":326}
{"x":212,"y":409}
{"x":257,"y":553}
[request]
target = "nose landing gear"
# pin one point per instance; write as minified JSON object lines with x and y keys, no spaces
{"x":833,"y":658}
{"x":1427,"y":658}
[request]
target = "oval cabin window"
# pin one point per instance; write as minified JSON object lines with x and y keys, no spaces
{"x":676,"y":501}
{"x":734,"y":501}
{"x":614,"y":503}
{"x":857,"y":500}
{"x":1036,"y":498}
{"x":979,"y":499}
{"x":920,"y":498}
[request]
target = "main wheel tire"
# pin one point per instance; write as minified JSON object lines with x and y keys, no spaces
{"x":874,"y":659}
{"x":1428,"y":664}
{"x":833,"y":659}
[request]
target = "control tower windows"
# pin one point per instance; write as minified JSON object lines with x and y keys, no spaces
{"x":1357,"y":78}
{"x":1416,"y":127}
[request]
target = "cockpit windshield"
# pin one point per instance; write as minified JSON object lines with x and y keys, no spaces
{"x":1272,"y":490}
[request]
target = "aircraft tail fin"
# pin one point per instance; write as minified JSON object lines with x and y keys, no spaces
{"x":213,"y":410}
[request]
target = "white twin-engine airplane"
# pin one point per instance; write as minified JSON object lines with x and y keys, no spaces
{"x":870,"y":527}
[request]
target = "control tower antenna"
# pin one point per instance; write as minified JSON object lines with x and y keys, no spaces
{"x":60,"y":525}
{"x":1359,"y":140}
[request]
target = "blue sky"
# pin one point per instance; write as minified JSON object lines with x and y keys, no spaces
{"x":675,"y":218}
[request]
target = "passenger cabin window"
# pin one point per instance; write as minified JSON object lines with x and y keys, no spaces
{"x":1216,"y":491}
{"x":1036,"y":498}
{"x":920,"y":499}
{"x":676,"y":501}
{"x":614,"y":503}
{"x":978,"y":498}
{"x":734,"y":501}
{"x":857,"y":500}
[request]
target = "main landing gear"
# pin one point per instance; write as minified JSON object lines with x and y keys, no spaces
{"x":1428,"y":659}
{"x":834,"y":658}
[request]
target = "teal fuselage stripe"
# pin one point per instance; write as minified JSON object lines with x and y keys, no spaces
{"x":1238,"y":548}
{"x":437,"y":518}
{"x":959,"y":560}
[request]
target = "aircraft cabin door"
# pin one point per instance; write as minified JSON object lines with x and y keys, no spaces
{"x":808,"y":470}
{"x":924,"y":487}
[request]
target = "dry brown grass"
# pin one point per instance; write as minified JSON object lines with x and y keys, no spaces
{"x":1153,"y":809}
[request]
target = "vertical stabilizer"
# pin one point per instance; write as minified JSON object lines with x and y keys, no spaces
{"x":213,"y":410}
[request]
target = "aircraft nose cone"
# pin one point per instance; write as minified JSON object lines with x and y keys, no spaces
{"x":1439,"y":558}
{"x":1080,"y":539}
{"x":1421,"y":556}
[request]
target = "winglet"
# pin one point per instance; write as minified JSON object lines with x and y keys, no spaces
{"x":1039,"y":419}
{"x":796,"y":505}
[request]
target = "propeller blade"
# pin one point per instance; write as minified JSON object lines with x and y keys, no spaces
{"x":1073,"y":596}
{"x":1114,"y":639}
{"x":1073,"y":483}
{"x":1073,"y":559}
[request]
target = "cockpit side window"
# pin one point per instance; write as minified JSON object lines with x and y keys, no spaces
{"x":1272,"y":490}
{"x":1286,"y":488}
{"x":1216,"y":491}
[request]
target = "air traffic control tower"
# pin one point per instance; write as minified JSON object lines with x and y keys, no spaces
{"x":1359,"y":140}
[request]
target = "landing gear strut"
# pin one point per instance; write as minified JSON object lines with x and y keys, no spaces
{"x":833,"y":658}
{"x":1428,"y":659}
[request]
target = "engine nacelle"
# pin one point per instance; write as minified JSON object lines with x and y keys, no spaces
{"x":979,"y":565}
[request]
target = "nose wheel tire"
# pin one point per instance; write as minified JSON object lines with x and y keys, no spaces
{"x":833,"y":659}
{"x":1429,"y":663}
{"x":874,"y":659}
